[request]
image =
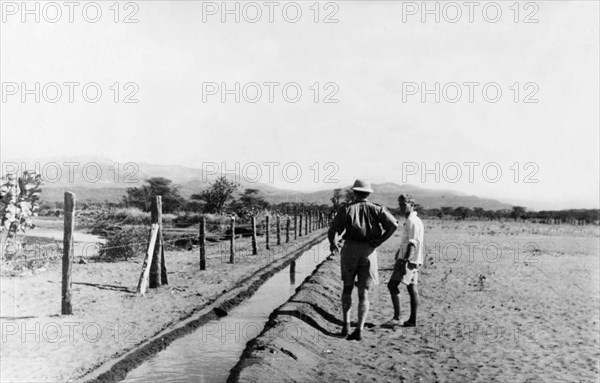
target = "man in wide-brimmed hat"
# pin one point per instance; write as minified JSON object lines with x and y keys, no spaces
{"x":364,"y":227}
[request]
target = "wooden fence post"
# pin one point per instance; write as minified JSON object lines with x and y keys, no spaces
{"x":155,"y":267}
{"x":163,"y":266}
{"x":293,"y":273}
{"x":278,"y":230}
{"x":287,"y":229}
{"x":267,"y":219}
{"x":300,"y":225}
{"x":295,"y":222}
{"x":232,"y":241}
{"x":143,"y":282}
{"x":69,"y":226}
{"x":203,"y":243}
{"x":306,"y":219}
{"x":254,"y":249}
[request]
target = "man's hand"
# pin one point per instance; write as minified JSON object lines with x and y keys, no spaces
{"x":333,"y":247}
{"x":410,"y":252}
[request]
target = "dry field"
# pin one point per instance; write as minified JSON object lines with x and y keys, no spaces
{"x":500,"y":302}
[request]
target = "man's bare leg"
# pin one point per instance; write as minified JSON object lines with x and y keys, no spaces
{"x":395,"y":295}
{"x":414,"y":304}
{"x":363,"y":310}
{"x":346,"y":306}
{"x":363,"y":306}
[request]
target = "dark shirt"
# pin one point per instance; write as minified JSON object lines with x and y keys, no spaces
{"x":363,"y":221}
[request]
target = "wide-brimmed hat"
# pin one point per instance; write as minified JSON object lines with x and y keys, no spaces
{"x":362,"y":186}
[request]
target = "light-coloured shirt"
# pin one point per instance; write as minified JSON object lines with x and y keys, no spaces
{"x":412,"y":232}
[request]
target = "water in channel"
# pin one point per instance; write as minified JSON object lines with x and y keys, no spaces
{"x":207,"y":354}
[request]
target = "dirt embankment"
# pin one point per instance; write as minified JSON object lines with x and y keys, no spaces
{"x":291,"y":347}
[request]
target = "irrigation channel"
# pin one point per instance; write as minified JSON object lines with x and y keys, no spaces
{"x":207,"y":354}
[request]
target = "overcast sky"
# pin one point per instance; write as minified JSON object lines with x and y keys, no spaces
{"x":379,"y":129}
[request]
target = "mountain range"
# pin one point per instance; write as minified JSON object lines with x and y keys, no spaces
{"x":99,"y":179}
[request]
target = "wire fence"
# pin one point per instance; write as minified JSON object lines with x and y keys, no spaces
{"x":34,"y":252}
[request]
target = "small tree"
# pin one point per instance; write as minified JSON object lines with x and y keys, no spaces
{"x":446,"y":210}
{"x":517,"y":212}
{"x":462,"y":212}
{"x":157,"y":186}
{"x":249,"y":203}
{"x":490,"y":214}
{"x":19,"y":201}
{"x":478,"y":211}
{"x":217,"y":195}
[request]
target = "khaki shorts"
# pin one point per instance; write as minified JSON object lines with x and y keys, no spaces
{"x":405,"y":272}
{"x":359,"y":261}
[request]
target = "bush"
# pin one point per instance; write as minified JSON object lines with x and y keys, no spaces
{"x":131,"y":216}
{"x":187,"y":219}
{"x":124,"y":244}
{"x":169,"y":217}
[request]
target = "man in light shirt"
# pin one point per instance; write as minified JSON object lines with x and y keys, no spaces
{"x":408,"y":260}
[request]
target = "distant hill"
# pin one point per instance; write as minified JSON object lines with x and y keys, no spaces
{"x":83,"y":194}
{"x":110,"y":185}
{"x":387,"y":194}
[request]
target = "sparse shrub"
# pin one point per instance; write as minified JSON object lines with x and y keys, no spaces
{"x":447,"y":273}
{"x":180,"y":242}
{"x":481,"y":282}
{"x":124,"y":244}
{"x":217,"y":223}
{"x":169,"y":217}
{"x":131,"y":216}
{"x":187,"y":219}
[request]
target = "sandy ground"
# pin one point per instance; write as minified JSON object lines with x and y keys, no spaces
{"x":40,"y":345}
{"x":534,"y":318}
